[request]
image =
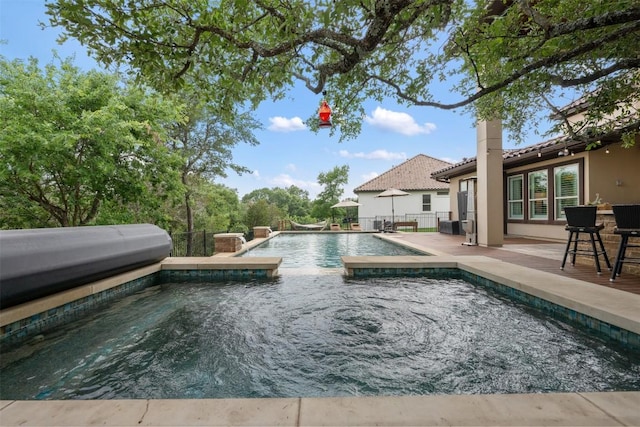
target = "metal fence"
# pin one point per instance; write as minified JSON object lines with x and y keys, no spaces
{"x":202,"y":243}
{"x":427,"y":221}
{"x":196,"y":243}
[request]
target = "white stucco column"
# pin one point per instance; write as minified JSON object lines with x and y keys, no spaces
{"x":489,"y":192}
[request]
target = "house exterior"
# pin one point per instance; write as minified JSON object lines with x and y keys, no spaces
{"x":426,"y":194}
{"x":539,"y":180}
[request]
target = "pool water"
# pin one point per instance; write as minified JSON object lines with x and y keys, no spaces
{"x":324,"y":250}
{"x":320,"y":335}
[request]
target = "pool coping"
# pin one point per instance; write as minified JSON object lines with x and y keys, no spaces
{"x":553,"y":409}
{"x":606,"y":408}
{"x":606,"y":304}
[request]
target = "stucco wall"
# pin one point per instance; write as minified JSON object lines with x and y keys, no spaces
{"x":614,"y":176}
{"x":373,"y":206}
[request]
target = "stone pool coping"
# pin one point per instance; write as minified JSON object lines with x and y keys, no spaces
{"x":556,"y":409}
{"x":609,"y":305}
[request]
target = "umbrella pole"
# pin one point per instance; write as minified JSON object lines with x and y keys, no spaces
{"x":393,"y":212}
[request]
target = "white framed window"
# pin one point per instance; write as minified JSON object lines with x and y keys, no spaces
{"x":426,"y":203}
{"x":515,"y":188}
{"x":538,"y":195}
{"x":566,"y":188}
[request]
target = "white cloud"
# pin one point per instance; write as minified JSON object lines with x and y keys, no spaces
{"x":374,"y":155}
{"x":283,"y":124}
{"x":285,"y":180}
{"x":398,"y":122}
{"x":256,"y":173}
{"x":291,"y":167}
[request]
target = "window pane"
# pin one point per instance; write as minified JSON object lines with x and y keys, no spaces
{"x":566,"y":188}
{"x":515,"y":201}
{"x":515,"y":187}
{"x":538,"y":190}
{"x":426,"y":202}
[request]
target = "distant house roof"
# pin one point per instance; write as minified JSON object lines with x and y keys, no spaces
{"x":412,"y":175}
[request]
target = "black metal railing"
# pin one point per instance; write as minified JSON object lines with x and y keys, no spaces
{"x":196,"y":243}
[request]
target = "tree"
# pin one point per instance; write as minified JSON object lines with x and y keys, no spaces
{"x":204,"y":142}
{"x":261,"y":213}
{"x":69,"y":141}
{"x":217,"y":208}
{"x":292,"y":201}
{"x":503,"y":58}
{"x":333,"y":182}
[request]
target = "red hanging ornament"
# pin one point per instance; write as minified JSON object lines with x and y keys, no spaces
{"x":324,"y":115}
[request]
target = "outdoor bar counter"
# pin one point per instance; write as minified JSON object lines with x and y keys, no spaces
{"x":611,"y":242}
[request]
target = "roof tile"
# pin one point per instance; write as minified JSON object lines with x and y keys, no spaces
{"x":414,"y":174}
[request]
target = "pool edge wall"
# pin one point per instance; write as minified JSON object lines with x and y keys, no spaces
{"x":610,"y":313}
{"x":21,"y":322}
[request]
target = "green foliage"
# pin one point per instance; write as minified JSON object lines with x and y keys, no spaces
{"x":204,"y":141}
{"x":506,"y":59}
{"x":292,"y":201}
{"x":333,"y":183}
{"x":262,"y":213}
{"x":72,"y":141}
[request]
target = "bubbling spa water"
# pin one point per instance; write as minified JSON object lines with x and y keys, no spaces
{"x":313,"y":335}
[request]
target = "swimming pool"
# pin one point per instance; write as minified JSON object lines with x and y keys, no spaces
{"x":323,"y":250}
{"x":320,"y":335}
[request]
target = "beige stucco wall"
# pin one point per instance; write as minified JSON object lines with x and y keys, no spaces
{"x":614,"y":176}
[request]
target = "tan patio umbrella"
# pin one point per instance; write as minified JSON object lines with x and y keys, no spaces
{"x":392,"y":192}
{"x":346,"y":204}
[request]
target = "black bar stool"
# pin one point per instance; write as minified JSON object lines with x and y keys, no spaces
{"x":582,"y":219}
{"x":627,"y":225}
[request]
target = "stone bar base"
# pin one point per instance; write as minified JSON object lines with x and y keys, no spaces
{"x":611,"y":243}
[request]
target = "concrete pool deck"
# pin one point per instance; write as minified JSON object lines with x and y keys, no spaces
{"x":550,"y":409}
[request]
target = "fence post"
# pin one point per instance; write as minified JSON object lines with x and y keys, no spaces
{"x":204,"y":242}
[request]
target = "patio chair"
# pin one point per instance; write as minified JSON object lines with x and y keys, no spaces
{"x":627,"y":226}
{"x":387,"y":227}
{"x":582,"y":219}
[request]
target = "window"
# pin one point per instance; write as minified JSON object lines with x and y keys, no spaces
{"x":538,"y":195}
{"x":426,"y":202}
{"x":442,"y":193}
{"x":515,"y":197}
{"x":566,"y":188}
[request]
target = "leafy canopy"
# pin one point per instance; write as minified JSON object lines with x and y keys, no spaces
{"x":500,"y":58}
{"x":73,"y":144}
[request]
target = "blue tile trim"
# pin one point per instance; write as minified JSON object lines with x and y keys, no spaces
{"x":40,"y":322}
{"x":185,"y":276}
{"x":23,"y":329}
{"x":597,"y":327}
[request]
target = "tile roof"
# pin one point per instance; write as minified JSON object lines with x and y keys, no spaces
{"x":414,"y":174}
{"x":531,"y":154}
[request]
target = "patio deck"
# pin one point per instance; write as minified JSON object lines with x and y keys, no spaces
{"x":537,"y":254}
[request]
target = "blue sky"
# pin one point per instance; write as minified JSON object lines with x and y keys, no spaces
{"x":288,"y":154}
